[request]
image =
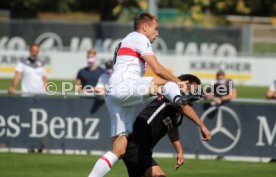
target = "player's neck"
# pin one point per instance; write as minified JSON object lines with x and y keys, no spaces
{"x":93,"y":68}
{"x":141,"y":32}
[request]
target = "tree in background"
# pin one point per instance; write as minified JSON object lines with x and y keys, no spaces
{"x":214,"y":11}
{"x":194,"y":11}
{"x":109,"y":10}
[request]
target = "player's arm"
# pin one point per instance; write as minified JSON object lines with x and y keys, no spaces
{"x":189,"y":112}
{"x":159,"y":69}
{"x":230,"y":96}
{"x":100,"y":91}
{"x":78,"y":85}
{"x":45,"y":82}
{"x":100,"y":86}
{"x":271,"y":94}
{"x":174,"y":138}
{"x":44,"y":79}
{"x":209,"y":96}
{"x":15,"y":82}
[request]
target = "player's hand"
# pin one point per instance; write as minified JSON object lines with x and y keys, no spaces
{"x":160,"y":97}
{"x":180,"y":161}
{"x":206,"y":134}
{"x":89,"y":90}
{"x":217,"y":101}
{"x":12,"y":90}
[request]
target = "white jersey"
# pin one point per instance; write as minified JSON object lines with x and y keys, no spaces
{"x":129,"y":62}
{"x":31,"y":73}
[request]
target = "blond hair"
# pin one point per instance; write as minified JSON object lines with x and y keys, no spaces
{"x":91,"y":51}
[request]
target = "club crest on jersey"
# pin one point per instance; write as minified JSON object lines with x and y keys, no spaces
{"x":168,"y":122}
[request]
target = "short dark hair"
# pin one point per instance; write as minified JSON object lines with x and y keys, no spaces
{"x":220,"y":72}
{"x":143,"y":18}
{"x":189,"y":77}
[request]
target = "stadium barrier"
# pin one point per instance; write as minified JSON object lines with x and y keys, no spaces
{"x":240,"y":128}
{"x":53,"y":36}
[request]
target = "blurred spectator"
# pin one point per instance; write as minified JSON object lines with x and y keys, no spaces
{"x":271,"y":92}
{"x":88,"y":76}
{"x":223,"y":90}
{"x":104,"y":78}
{"x":33,"y":74}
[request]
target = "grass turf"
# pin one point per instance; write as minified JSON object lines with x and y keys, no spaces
{"x":243,"y":91}
{"x":48,"y":165}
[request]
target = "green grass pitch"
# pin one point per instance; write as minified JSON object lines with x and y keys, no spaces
{"x":48,"y":165}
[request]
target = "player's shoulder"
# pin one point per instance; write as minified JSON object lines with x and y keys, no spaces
{"x":26,"y":61}
{"x":83,"y":70}
{"x":156,"y":103}
{"x":136,"y":37}
{"x":40,"y":63}
{"x":22,"y":60}
{"x":229,"y":82}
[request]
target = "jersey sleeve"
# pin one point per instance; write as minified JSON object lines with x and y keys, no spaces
{"x":143,"y":47}
{"x":19,"y":67}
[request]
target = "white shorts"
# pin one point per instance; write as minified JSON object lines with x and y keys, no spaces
{"x":125,"y":101}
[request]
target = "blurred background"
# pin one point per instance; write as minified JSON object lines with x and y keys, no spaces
{"x":235,"y":39}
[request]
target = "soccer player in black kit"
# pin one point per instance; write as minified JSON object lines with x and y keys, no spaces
{"x":154,"y":122}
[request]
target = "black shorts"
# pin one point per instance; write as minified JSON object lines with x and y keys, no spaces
{"x":138,"y":159}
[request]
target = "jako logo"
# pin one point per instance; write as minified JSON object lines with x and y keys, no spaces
{"x":52,"y":41}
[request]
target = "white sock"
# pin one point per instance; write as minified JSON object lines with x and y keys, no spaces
{"x":103,"y":165}
{"x":170,"y":91}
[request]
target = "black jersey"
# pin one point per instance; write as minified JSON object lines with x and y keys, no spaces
{"x":154,"y":122}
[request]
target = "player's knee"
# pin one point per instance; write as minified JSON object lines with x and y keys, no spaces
{"x":169,"y":86}
{"x":119,"y":145}
{"x":159,"y":173}
{"x":119,"y":152}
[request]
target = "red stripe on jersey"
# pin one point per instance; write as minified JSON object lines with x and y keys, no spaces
{"x":107,"y":161}
{"x":130,"y":52}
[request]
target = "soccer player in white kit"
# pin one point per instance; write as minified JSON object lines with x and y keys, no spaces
{"x":128,"y":91}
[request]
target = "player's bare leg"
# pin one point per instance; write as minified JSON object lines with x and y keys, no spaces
{"x":119,"y":144}
{"x":155,"y":171}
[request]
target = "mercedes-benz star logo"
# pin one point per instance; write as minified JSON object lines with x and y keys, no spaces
{"x":220,"y":128}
